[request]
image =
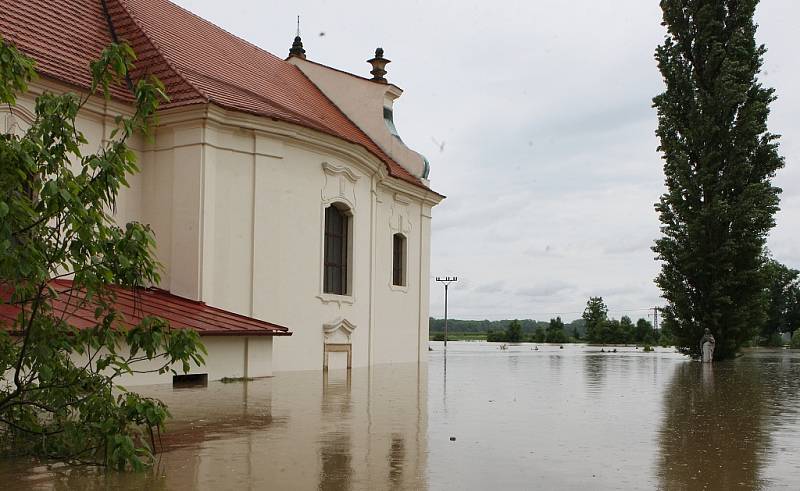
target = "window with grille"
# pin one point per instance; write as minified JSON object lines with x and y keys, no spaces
{"x":399,"y":260}
{"x":336,"y":252}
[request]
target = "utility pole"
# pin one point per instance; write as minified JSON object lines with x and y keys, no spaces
{"x":446,"y":281}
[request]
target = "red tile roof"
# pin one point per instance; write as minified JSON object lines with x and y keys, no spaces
{"x":180,"y":312}
{"x":197,"y":61}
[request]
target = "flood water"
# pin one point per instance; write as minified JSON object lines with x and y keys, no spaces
{"x":571,"y":418}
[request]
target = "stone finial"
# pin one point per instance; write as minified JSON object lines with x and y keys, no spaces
{"x":378,"y":66}
{"x":297,"y":48}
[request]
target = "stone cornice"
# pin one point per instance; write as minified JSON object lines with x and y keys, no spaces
{"x":332,"y":169}
{"x":298,"y":136}
{"x":97,"y":104}
{"x":291,"y":133}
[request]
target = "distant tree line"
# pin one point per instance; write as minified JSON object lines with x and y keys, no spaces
{"x":603,"y":330}
{"x":594,"y":327}
{"x":512,"y":331}
{"x":554,"y":332}
{"x":780,"y":297}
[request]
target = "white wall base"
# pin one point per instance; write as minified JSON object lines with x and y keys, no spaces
{"x":228,"y":356}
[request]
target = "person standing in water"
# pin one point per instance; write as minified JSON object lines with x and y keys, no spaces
{"x":707,"y":344}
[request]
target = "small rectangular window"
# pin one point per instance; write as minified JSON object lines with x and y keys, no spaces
{"x":399,"y":260}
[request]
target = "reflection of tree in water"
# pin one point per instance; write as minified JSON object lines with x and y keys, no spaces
{"x":594,"y":367}
{"x":20,"y":475}
{"x":397,"y":457}
{"x":713,"y":435}
{"x":335,"y":447}
{"x":336,"y":458}
{"x":555,"y":362}
{"x":786,"y":376}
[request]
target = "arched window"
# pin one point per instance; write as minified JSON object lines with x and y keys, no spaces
{"x":399,"y":260}
{"x":337,"y":224}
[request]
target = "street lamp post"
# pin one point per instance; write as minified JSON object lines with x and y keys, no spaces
{"x":446,"y":281}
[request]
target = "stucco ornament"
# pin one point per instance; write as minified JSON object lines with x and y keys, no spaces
{"x":707,"y":344}
{"x":11,"y":124}
{"x":340,"y":185}
{"x":339,"y":331}
{"x":399,"y":220}
{"x":14,"y":125}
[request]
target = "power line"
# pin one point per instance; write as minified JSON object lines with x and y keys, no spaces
{"x":581,"y":311}
{"x":643,"y":309}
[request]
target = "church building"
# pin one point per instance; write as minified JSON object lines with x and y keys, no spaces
{"x":292,"y":221}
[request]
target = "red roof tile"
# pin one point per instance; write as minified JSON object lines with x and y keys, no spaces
{"x":180,"y":312}
{"x":197,"y":61}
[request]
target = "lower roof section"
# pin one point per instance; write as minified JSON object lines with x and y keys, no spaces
{"x":180,"y":312}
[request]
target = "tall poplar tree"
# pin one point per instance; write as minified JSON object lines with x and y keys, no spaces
{"x":719,"y":159}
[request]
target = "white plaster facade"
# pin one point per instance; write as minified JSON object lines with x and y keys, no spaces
{"x":364,"y":101}
{"x":237,"y":204}
{"x":234,"y":357}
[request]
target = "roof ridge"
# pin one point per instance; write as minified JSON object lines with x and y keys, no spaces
{"x":215,"y":26}
{"x":124,"y":6}
{"x":344,"y":72}
{"x":260,"y":97}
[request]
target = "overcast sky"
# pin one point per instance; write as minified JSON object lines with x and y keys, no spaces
{"x":536,"y":117}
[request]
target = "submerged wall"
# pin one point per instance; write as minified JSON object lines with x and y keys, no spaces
{"x":228,"y":357}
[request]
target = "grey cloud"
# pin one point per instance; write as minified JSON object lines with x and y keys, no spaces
{"x":548,"y":289}
{"x":624,"y":246}
{"x":492,"y":287}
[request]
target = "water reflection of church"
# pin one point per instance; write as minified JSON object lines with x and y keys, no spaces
{"x":359,"y":429}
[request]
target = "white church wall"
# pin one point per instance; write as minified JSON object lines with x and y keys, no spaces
{"x":237,"y":207}
{"x":156,"y":184}
{"x":263,"y":203}
{"x":425,"y":281}
{"x":187,"y":160}
{"x":228,"y":239}
{"x":397,"y":307}
{"x":263,"y":213}
{"x":297,"y":244}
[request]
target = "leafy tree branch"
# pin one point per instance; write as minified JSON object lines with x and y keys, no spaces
{"x":59,"y":393}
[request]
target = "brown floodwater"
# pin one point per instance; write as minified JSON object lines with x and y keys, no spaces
{"x":479,"y":418}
